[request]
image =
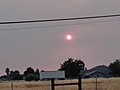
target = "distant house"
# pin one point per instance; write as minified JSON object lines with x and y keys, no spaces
{"x":98,"y":71}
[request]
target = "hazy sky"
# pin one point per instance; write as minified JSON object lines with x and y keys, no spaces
{"x":45,"y":48}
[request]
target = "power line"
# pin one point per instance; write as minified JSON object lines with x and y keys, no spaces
{"x":61,"y":25}
{"x":61,"y":19}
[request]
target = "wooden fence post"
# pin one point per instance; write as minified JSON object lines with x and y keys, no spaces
{"x":52,"y":84}
{"x":79,"y":83}
{"x":11,"y":85}
{"x":96,"y":83}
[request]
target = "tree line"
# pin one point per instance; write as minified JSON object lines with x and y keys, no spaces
{"x":28,"y":75}
{"x":71,"y":67}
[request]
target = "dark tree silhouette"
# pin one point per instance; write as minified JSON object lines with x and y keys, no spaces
{"x":37,"y":73}
{"x":72,"y":67}
{"x":28,"y":71}
{"x":15,"y":75}
{"x":115,"y":68}
{"x":30,"y":74}
{"x":7,"y":71}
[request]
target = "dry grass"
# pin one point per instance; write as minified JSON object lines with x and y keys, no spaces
{"x":102,"y":84}
{"x":87,"y":84}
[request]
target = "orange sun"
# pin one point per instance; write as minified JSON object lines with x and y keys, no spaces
{"x":69,"y":37}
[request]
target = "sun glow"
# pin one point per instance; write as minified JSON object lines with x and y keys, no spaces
{"x":69,"y":37}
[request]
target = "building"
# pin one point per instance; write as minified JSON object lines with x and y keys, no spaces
{"x":98,"y":71}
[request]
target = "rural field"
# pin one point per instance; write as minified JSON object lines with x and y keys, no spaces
{"x":87,"y":84}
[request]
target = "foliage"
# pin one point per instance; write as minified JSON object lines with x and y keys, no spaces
{"x":30,"y":74}
{"x":37,"y":73}
{"x":115,"y":68}
{"x":72,"y":67}
{"x":28,"y":71}
{"x":15,"y":75}
{"x":7,"y":70}
{"x":31,"y":77}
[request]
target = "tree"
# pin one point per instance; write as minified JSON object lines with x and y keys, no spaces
{"x":28,"y":71}
{"x":30,"y":74}
{"x":31,"y":77}
{"x":115,"y":68}
{"x":7,"y":70}
{"x":15,"y":75}
{"x":72,"y":67}
{"x":37,"y":73}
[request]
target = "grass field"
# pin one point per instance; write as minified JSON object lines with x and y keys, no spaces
{"x":87,"y":84}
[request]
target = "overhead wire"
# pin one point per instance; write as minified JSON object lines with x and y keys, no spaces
{"x":60,"y":19}
{"x":60,"y":25}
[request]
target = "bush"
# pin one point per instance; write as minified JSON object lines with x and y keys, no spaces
{"x":32,"y":77}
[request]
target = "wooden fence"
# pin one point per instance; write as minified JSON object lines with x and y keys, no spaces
{"x":62,"y":84}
